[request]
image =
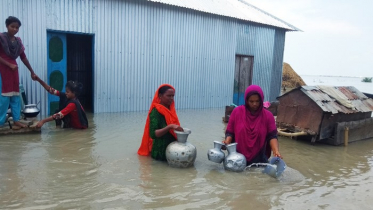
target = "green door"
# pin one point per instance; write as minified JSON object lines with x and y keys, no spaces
{"x":57,"y":77}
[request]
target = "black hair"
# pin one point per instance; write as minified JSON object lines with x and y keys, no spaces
{"x":254,"y":93}
{"x":163,"y":89}
{"x":11,"y":20}
{"x":75,"y":87}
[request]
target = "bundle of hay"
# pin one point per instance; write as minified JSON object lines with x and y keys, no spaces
{"x":290,"y":79}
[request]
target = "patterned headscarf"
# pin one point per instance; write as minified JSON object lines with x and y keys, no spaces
{"x":12,"y":49}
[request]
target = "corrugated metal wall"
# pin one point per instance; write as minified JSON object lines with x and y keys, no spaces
{"x":267,"y":46}
{"x":278,"y":55}
{"x":69,"y":15}
{"x":161,"y":44}
{"x":139,"y":45}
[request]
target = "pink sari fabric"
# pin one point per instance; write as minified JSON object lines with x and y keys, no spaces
{"x":251,"y":130}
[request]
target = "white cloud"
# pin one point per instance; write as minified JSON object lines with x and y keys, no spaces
{"x":337,"y":35}
{"x":307,"y":15}
{"x":332,"y":27}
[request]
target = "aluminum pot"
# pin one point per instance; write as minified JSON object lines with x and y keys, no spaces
{"x":234,"y":161}
{"x":275,"y":167}
{"x":215,"y":154}
{"x":180,"y":153}
{"x":31,"y":110}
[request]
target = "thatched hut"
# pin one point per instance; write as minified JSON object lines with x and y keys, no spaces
{"x":290,"y":79}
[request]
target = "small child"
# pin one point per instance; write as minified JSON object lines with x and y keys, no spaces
{"x":70,"y":110}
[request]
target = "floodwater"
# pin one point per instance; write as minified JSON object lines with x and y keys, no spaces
{"x":99,"y":168}
{"x":312,"y":80}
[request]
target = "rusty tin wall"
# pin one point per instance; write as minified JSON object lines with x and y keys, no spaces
{"x":298,"y":112}
{"x":329,"y":121}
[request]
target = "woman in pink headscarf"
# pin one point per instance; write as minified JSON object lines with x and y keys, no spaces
{"x":253,"y":128}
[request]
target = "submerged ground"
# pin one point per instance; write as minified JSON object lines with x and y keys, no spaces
{"x":98,"y":168}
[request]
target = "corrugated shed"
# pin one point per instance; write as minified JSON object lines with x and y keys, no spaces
{"x":331,"y":102}
{"x":229,"y":8}
{"x":197,"y":57}
{"x":152,"y":48}
{"x":139,"y":45}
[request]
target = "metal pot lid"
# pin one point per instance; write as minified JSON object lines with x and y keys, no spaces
{"x":31,"y":110}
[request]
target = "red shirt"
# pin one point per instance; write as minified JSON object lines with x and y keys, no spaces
{"x":71,"y":110}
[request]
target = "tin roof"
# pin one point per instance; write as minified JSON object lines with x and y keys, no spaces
{"x":345,"y":99}
{"x":238,"y":9}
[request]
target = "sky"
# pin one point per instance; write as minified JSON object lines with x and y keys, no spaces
{"x":336,"y":37}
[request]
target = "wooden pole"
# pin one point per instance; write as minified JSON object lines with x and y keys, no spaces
{"x":346,"y":136}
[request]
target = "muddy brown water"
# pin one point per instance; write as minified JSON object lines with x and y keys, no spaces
{"x":99,"y":168}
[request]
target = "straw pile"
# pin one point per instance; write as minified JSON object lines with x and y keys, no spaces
{"x":290,"y":79}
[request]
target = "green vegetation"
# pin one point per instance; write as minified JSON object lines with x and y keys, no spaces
{"x":367,"y":79}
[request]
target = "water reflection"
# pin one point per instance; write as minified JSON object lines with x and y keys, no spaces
{"x":11,"y":187}
{"x":70,"y":167}
{"x":47,"y":168}
{"x":98,"y":168}
{"x":164,"y":186}
{"x":331,"y":172}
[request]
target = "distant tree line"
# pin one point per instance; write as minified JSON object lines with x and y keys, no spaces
{"x":367,"y":79}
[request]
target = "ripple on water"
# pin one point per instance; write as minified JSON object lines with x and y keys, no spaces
{"x":99,"y":168}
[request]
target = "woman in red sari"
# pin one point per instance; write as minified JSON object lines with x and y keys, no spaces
{"x":253,"y":128}
{"x":11,"y":48}
{"x":160,"y":124}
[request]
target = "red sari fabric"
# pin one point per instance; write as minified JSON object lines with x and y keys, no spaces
{"x":170,"y":116}
{"x":10,"y":78}
{"x":250,"y":130}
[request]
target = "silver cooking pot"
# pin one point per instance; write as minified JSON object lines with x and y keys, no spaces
{"x":31,"y":110}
